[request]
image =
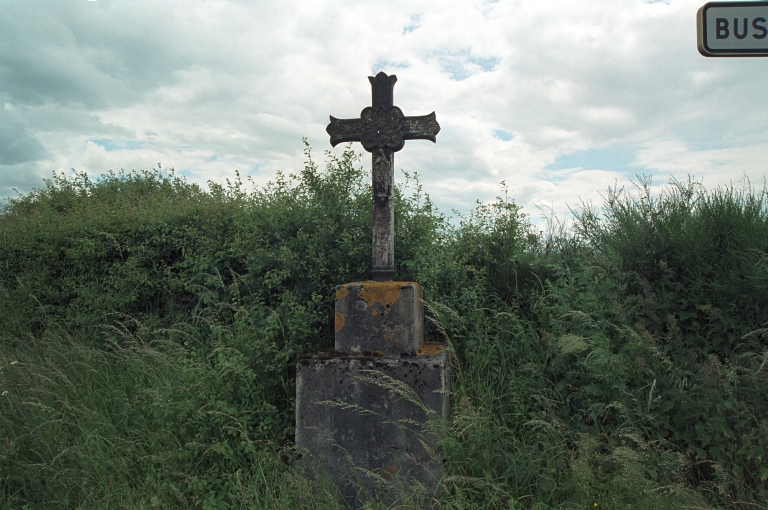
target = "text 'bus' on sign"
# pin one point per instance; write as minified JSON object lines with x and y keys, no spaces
{"x":733,"y":29}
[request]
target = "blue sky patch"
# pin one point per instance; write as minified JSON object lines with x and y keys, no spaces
{"x":383,"y":65}
{"x":486,"y":64}
{"x":117,"y":145}
{"x":415,"y":23}
{"x":610,"y":157}
{"x":502,"y":135}
{"x":461,"y":64}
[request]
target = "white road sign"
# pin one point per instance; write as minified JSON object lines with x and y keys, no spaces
{"x":733,"y":29}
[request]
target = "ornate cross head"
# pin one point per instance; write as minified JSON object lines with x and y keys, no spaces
{"x":383,"y":125}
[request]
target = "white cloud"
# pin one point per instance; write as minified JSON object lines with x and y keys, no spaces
{"x":518,"y":85}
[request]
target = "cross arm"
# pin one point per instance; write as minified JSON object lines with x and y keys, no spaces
{"x":383,"y":128}
{"x":424,"y":127}
{"x":344,"y":130}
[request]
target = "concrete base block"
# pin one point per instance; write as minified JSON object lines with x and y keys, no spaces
{"x":385,"y":318}
{"x":359,"y":420}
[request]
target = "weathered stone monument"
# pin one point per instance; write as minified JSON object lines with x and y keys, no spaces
{"x":361,"y":409}
{"x":383,"y":129}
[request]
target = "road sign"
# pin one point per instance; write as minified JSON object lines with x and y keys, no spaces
{"x":733,"y":29}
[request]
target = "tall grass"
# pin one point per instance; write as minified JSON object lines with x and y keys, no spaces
{"x":149,"y":332}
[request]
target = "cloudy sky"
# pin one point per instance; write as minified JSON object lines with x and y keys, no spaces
{"x":558,"y":98}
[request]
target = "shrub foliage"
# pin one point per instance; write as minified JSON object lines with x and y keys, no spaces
{"x":149,"y":331}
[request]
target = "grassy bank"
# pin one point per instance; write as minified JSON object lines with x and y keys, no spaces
{"x":149,"y":331}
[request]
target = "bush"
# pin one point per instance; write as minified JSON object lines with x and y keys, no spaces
{"x":150,"y":330}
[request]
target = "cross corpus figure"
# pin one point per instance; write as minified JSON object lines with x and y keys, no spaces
{"x":383,"y":129}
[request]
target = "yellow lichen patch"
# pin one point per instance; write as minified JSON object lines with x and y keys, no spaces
{"x":388,"y":472}
{"x":383,"y":292}
{"x":338,"y":321}
{"x":428,"y":349}
{"x":374,"y":312}
{"x":341,"y":291}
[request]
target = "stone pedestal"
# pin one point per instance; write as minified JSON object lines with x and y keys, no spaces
{"x":361,"y":409}
{"x":385,"y":318}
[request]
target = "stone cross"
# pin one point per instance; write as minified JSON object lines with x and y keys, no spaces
{"x":383,"y":129}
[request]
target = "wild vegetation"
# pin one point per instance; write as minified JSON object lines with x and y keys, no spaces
{"x":149,"y":331}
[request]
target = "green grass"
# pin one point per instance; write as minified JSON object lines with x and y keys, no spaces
{"x":149,"y":332}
